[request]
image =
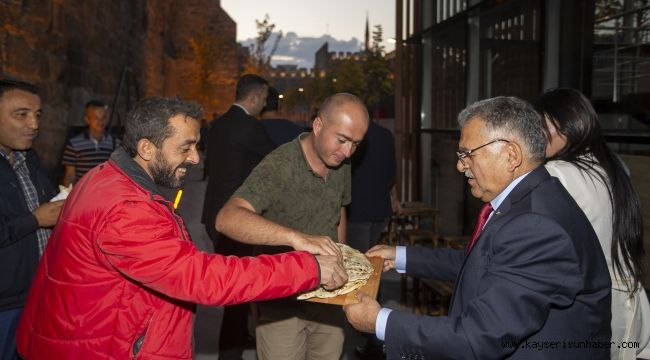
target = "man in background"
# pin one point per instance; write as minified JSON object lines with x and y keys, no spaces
{"x":280,"y":129}
{"x":374,"y":197}
{"x":237,"y":143}
{"x":90,"y":148}
{"x":374,"y":200}
{"x":25,"y":213}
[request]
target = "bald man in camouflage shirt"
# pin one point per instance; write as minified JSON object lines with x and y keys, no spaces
{"x":296,"y":197}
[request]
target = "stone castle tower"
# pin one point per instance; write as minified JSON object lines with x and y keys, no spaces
{"x":367,"y":38}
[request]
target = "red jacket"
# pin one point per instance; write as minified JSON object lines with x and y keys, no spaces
{"x":120,"y":276}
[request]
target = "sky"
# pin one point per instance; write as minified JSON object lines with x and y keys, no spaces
{"x":300,"y":50}
{"x":341,"y":19}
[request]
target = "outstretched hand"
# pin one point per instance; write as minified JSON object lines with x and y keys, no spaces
{"x":318,"y":245}
{"x":363,"y":315}
{"x":386,"y":252}
{"x":332,"y":272}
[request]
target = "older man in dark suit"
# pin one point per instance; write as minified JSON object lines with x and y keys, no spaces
{"x":533,"y":282}
{"x":237,"y":143}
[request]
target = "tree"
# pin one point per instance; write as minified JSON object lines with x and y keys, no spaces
{"x":294,"y":101}
{"x":349,"y":75}
{"x":370,"y":78}
{"x":317,"y":90}
{"x":259,"y":61}
{"x":205,"y":49}
{"x":608,"y":9}
{"x":379,"y":82}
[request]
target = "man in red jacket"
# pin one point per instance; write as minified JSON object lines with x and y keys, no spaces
{"x":120,"y":275}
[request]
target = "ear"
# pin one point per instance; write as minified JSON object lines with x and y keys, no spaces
{"x":317,"y":125}
{"x":146,"y":149}
{"x":515,"y":156}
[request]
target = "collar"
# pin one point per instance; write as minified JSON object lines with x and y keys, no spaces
{"x":496,"y":202}
{"x":134,"y":171}
{"x":241,"y":107}
{"x":304,"y":162}
{"x":104,"y":137}
{"x":5,"y":155}
{"x":15,"y":159}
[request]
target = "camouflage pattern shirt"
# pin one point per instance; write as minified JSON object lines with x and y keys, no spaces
{"x":284,"y":189}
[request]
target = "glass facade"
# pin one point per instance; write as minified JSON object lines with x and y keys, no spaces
{"x":454,"y":52}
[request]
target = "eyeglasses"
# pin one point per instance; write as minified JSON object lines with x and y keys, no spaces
{"x":464,"y":154}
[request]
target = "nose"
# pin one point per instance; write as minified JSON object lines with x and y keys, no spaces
{"x":460,"y":165}
{"x":348,"y":149}
{"x":32,"y":122}
{"x":194,"y":157}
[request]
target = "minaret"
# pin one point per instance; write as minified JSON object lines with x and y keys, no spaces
{"x":367,"y":34}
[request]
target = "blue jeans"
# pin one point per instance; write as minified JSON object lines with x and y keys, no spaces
{"x":8,"y":324}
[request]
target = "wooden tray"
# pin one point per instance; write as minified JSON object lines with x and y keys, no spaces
{"x":371,"y":287}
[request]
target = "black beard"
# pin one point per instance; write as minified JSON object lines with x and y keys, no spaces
{"x":164,"y":175}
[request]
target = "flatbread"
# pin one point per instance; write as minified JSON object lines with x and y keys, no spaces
{"x":358,"y":268}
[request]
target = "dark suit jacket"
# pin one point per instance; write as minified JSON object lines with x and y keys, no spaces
{"x":282,"y":131}
{"x":237,"y":143}
{"x":373,"y":176}
{"x":18,"y":239}
{"x":536,"y":277}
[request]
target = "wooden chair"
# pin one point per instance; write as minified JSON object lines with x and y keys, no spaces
{"x":418,"y":223}
{"x":418,"y":214}
{"x":435,"y":295}
{"x":392,"y":235}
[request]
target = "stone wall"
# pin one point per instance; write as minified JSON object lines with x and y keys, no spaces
{"x":73,"y":51}
{"x":77,"y":50}
{"x":197,"y":41}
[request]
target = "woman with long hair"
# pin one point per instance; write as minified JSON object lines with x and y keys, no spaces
{"x":597,"y":179}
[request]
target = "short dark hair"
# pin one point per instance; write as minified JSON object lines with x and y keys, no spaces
{"x":8,"y":85}
{"x":335,"y":101}
{"x":510,"y":116}
{"x":272,"y":101}
{"x":248,"y":84}
{"x":149,"y":119}
{"x":95,"y":103}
